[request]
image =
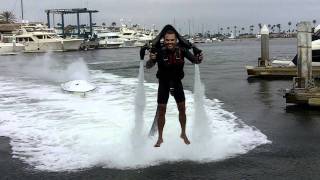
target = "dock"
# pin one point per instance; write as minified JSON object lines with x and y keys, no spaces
{"x":271,"y":71}
{"x":304,"y":90}
{"x":266,"y":69}
{"x":303,"y":96}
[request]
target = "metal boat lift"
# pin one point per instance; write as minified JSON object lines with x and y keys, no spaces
{"x":77,"y":11}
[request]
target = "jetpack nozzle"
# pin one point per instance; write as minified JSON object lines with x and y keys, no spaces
{"x":143,"y":51}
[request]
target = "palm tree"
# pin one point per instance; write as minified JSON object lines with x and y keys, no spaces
{"x":279,"y":27}
{"x":228,"y":28}
{"x":208,"y":34}
{"x":289,"y":24}
{"x":221,"y":29}
{"x":113,"y":24}
{"x":272,"y":28}
{"x":7,"y":17}
{"x":251,"y":29}
{"x":314,"y":23}
{"x":235,"y":31}
{"x":260,"y":26}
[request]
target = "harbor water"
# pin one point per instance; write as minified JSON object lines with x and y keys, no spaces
{"x":251,"y":133}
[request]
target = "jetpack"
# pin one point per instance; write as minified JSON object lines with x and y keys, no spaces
{"x":156,"y":43}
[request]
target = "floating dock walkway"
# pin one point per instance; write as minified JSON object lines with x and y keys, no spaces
{"x":271,"y":71}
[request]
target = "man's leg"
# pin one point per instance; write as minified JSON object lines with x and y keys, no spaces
{"x":180,"y":99}
{"x":183,"y":120}
{"x":163,"y":96}
{"x":161,"y":121}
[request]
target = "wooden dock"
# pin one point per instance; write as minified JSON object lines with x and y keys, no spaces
{"x":304,"y":91}
{"x":304,"y":96}
{"x":270,"y":71}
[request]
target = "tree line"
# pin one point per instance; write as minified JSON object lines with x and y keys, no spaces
{"x":274,"y":28}
{"x":7,"y":17}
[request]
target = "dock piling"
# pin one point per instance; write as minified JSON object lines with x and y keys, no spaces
{"x":304,"y":78}
{"x":264,"y":60}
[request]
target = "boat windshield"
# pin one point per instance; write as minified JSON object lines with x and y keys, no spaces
{"x":53,"y":37}
{"x":113,"y":37}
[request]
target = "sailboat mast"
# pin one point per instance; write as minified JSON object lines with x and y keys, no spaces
{"x":22,"y":9}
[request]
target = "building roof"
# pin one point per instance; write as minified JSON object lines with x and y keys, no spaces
{"x":70,"y":11}
{"x":9,"y":27}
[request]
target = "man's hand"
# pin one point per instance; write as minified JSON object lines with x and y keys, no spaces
{"x":153,"y":56}
{"x":199,"y":58}
{"x":152,"y":60}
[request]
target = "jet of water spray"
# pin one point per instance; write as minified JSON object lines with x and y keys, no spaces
{"x":140,"y":103}
{"x":201,"y":121}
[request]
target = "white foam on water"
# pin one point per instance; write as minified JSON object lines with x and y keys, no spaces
{"x":54,"y":131}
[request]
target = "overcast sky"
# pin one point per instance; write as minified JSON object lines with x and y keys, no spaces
{"x":209,"y":14}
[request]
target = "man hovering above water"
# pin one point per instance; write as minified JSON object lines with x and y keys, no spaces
{"x":170,"y":59}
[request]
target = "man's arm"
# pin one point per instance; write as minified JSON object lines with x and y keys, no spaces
{"x":152,"y":60}
{"x":196,"y":59}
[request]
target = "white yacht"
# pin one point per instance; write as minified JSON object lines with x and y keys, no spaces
{"x":109,"y":40}
{"x":8,"y":45}
{"x":41,"y":39}
{"x":128,"y":37}
{"x":143,"y":38}
{"x":315,"y":46}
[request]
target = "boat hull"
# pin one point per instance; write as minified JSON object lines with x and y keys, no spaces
{"x":63,"y":45}
{"x":10,"y":48}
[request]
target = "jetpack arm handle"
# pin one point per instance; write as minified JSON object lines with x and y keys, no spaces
{"x":196,"y":51}
{"x":143,"y":51}
{"x":198,"y":54}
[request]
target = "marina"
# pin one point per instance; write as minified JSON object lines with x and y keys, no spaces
{"x":81,"y":99}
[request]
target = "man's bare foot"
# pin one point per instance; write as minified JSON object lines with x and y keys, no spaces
{"x":185,"y":138}
{"x":159,"y":142}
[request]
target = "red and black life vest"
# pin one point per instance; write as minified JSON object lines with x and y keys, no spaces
{"x":171,"y":63}
{"x":173,"y":58}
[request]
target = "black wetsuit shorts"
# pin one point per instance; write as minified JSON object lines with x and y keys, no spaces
{"x":164,"y":90}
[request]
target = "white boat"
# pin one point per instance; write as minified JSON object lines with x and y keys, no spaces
{"x":109,"y":40}
{"x":128,"y":37}
{"x":142,"y":39}
{"x":41,"y":39}
{"x":77,"y":86}
{"x":8,"y":45}
{"x":282,"y":63}
{"x":10,"y":48}
{"x":315,"y":57}
{"x":198,"y":39}
{"x":288,"y":63}
{"x":315,"y":48}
